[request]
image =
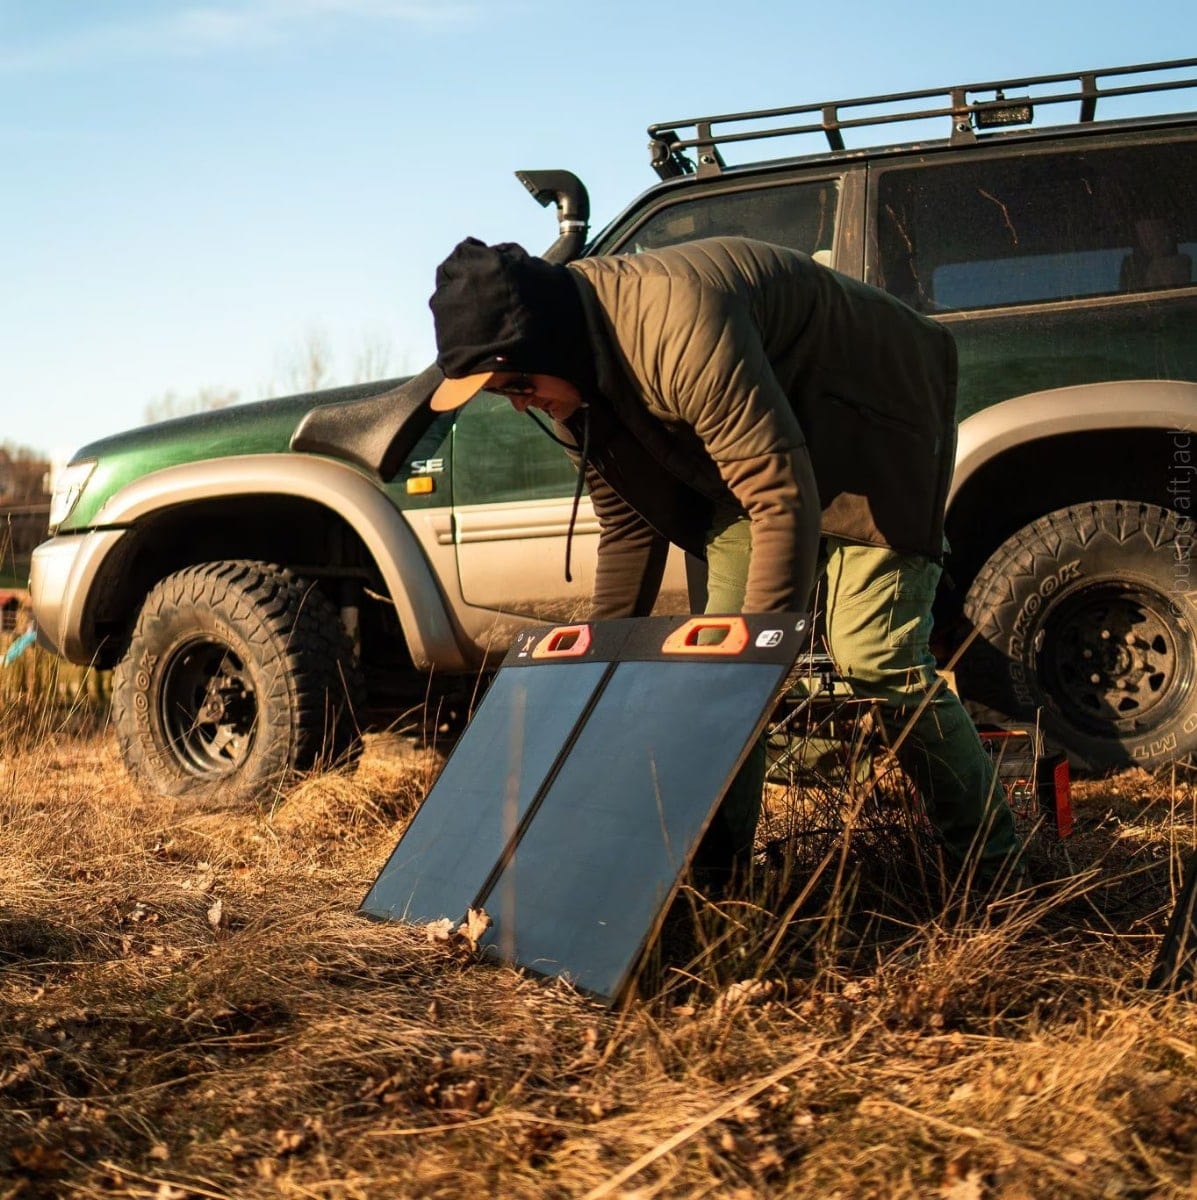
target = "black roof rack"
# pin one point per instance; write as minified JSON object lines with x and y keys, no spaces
{"x":667,"y":147}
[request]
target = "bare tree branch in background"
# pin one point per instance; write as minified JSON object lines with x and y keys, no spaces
{"x":24,"y":474}
{"x":24,"y":504}
{"x":375,"y":358}
{"x":308,"y":367}
{"x":171,"y":404}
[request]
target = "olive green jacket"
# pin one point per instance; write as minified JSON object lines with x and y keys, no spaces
{"x":729,"y":368}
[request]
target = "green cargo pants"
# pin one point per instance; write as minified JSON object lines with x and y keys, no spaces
{"x":878,"y":619}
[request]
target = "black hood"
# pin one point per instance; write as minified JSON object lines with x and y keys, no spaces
{"x":499,"y":308}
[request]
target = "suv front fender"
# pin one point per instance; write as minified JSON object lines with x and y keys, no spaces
{"x":67,"y":567}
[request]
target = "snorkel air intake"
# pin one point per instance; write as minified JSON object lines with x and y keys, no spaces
{"x":568,"y":192}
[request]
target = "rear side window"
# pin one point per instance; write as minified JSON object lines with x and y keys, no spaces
{"x":1039,"y":227}
{"x":798,"y":215}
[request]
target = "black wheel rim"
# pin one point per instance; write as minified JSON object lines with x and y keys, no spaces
{"x":1115,"y":658}
{"x":208,"y":707}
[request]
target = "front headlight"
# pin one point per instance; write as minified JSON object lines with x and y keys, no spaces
{"x":68,"y":487}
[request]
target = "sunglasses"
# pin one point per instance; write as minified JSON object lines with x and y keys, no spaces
{"x":518,"y":385}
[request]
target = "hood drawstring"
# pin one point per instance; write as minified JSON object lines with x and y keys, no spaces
{"x":573,"y":516}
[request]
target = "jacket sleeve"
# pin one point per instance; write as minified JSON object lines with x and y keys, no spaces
{"x":631,"y":556}
{"x":714,"y":376}
{"x":779,"y":493}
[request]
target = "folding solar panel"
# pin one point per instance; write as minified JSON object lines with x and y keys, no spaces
{"x":573,"y":802}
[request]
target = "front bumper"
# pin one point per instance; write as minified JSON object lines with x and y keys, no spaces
{"x":61,"y":577}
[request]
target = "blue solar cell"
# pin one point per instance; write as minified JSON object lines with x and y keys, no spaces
{"x":618,"y":823}
{"x":484,"y":791}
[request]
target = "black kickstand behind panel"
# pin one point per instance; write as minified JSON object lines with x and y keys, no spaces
{"x":1175,"y":968}
{"x":573,"y":802}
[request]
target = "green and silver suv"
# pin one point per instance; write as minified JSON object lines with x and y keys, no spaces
{"x":271,"y":579}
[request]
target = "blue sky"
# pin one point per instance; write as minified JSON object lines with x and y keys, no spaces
{"x":196,"y":190}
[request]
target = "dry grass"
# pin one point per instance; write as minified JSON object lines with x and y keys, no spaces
{"x":189,"y":1007}
{"x":43,"y":698}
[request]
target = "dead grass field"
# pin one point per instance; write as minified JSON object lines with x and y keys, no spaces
{"x":189,"y":1007}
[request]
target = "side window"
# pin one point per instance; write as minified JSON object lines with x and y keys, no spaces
{"x":500,"y":455}
{"x":799,"y":215}
{"x":1038,"y":228}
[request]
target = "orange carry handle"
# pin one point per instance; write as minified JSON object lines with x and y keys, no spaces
{"x":566,"y":641}
{"x":685,"y":639}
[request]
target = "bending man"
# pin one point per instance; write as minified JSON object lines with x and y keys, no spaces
{"x":741,"y":401}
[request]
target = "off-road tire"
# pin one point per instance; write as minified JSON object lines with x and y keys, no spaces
{"x":238,"y":675}
{"x":1087,"y":616}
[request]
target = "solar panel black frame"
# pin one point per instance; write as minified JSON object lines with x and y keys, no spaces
{"x":706,"y":706}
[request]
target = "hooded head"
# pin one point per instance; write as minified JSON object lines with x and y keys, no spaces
{"x":499,"y":309}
